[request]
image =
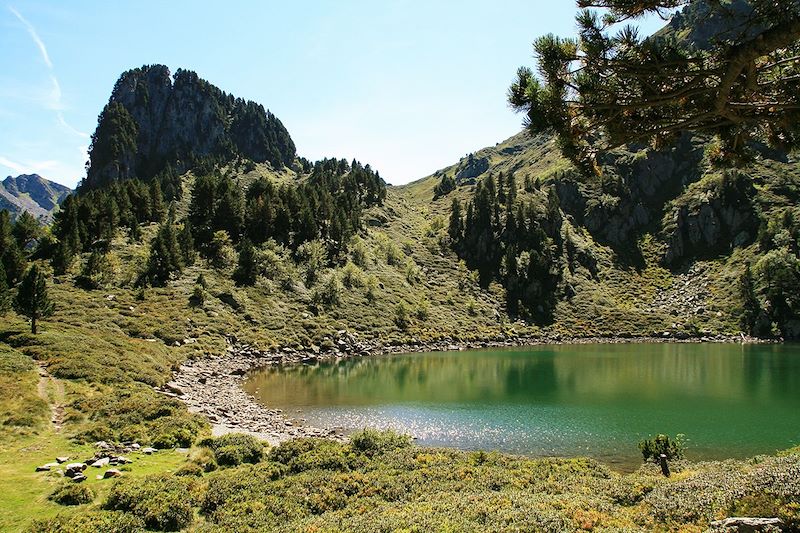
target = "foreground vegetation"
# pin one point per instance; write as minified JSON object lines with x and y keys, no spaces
{"x":380,"y":482}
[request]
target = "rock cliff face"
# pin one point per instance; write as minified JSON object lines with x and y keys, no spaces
{"x":153,"y":120}
{"x":32,"y":193}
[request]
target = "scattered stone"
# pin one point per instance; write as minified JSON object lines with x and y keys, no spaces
{"x":112,"y":472}
{"x":77,"y":478}
{"x":742,"y":524}
{"x":100,"y":463}
{"x":149,"y":451}
{"x":78,"y":467}
{"x":62,"y":459}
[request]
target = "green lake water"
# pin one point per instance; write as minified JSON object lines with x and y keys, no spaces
{"x":572,"y":400}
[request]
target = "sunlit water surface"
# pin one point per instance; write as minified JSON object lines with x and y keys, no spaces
{"x":574,"y":400}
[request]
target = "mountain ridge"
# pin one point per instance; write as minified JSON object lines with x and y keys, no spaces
{"x":33,"y":193}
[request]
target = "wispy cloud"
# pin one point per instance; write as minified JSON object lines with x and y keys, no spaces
{"x":53,"y":99}
{"x":35,"y":36}
{"x":28,"y":167}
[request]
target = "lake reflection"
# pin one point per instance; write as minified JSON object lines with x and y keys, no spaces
{"x":597,"y":400}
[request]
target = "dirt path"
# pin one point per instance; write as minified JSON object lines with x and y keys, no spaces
{"x":51,"y":390}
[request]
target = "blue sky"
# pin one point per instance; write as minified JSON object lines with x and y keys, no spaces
{"x":408,"y":87}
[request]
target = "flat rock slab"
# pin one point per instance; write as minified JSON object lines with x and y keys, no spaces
{"x":744,"y":524}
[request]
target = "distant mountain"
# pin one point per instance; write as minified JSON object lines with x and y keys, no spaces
{"x":153,"y":121}
{"x":701,"y":27}
{"x":32,"y":193}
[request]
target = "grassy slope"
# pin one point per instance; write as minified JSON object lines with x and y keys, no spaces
{"x":109,"y":346}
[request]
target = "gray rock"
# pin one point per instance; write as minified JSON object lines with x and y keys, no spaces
{"x":101,"y":462}
{"x":742,"y":524}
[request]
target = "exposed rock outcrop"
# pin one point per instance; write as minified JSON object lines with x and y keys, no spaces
{"x":152,"y":121}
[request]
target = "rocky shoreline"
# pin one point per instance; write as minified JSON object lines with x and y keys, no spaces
{"x":212,"y":386}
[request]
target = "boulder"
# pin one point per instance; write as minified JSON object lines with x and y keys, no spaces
{"x":77,"y":478}
{"x":743,"y":524}
{"x":62,"y":459}
{"x":112,"y":472}
{"x":101,"y":462}
{"x":149,"y":451}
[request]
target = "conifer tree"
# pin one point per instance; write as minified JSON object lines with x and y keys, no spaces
{"x":247,"y":267}
{"x":456,"y":228}
{"x":165,"y":255}
{"x":157,"y":209}
{"x":32,"y":300}
{"x":186,"y":243}
{"x":737,"y":79}
{"x":26,"y":229}
{"x":5,"y":295}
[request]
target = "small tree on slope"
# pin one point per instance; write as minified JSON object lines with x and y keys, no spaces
{"x":32,"y":300}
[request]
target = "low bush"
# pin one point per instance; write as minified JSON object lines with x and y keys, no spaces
{"x":235,"y":448}
{"x":162,"y":502}
{"x":314,"y":454}
{"x":71,"y":493}
{"x":249,"y":482}
{"x":89,"y":522}
{"x":372,"y":442}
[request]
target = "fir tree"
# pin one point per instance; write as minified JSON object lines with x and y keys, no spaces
{"x":165,"y":255}
{"x":26,"y":229}
{"x":5,"y":295}
{"x":186,"y":243}
{"x":456,"y":228}
{"x":32,"y":300}
{"x":157,"y":209}
{"x":247,"y":267}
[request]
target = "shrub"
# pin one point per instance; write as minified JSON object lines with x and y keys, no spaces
{"x":190,"y":469}
{"x":198,"y":297}
{"x":235,"y":448}
{"x":372,"y":442}
{"x":89,"y":522}
{"x":653,"y":448}
{"x":162,"y":502}
{"x":328,"y":293}
{"x":310,"y":454}
{"x":72,"y":494}
{"x":240,"y":485}
{"x":372,"y":287}
{"x":352,"y":276}
{"x":402,"y":316}
{"x":412,"y":272}
{"x":359,"y":252}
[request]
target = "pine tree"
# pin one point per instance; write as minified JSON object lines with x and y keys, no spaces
{"x":247,"y":267}
{"x":456,"y":229}
{"x":32,"y":300}
{"x":5,"y":230}
{"x":165,"y":255}
{"x":26,"y":229}
{"x":604,"y":89}
{"x":5,"y":295}
{"x":186,"y":243}
{"x":157,"y":209}
{"x":13,"y":262}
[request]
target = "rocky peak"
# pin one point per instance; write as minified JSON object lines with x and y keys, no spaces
{"x":32,"y":193}
{"x":154,"y":120}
